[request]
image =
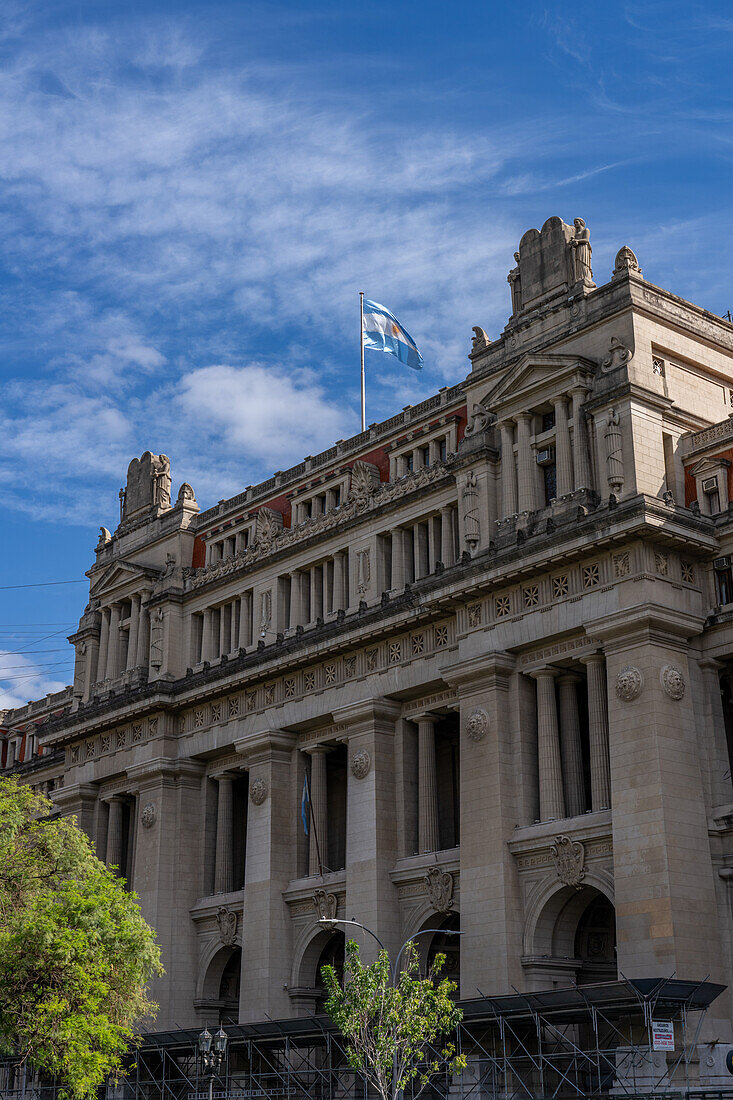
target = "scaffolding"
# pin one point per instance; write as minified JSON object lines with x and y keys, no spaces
{"x":591,"y":1041}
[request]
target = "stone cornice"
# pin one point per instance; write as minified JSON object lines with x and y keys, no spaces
{"x":151,"y":772}
{"x":368,"y":714}
{"x":649,"y":623}
{"x":259,"y":748}
{"x":489,"y":670}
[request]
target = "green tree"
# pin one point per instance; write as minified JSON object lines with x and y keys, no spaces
{"x":398,"y":1031}
{"x":75,"y":952}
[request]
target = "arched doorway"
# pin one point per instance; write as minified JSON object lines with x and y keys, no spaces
{"x":229,"y":988}
{"x":219,"y":997}
{"x":332,"y":955}
{"x":443,"y":943}
{"x":595,"y":942}
{"x":572,"y":940}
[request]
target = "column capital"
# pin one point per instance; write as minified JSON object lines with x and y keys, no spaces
{"x":582,"y":389}
{"x":711,"y":663}
{"x":593,"y":659}
{"x":560,"y":399}
{"x":506,"y":423}
{"x":523,"y":417}
{"x":547,"y":671}
{"x":317,"y":750}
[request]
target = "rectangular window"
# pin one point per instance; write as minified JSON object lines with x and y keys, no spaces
{"x":713,"y":502}
{"x":549,"y":473}
{"x":725,"y":586}
{"x":408,"y":463}
{"x":336,"y":496}
{"x":548,"y":421}
{"x":443,"y":449}
{"x":425,"y":456}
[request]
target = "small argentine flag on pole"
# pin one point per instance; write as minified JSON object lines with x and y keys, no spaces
{"x":381,"y":331}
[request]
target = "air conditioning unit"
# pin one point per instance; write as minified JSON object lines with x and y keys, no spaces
{"x":722,"y":563}
{"x":546,"y":457}
{"x":710,"y":485}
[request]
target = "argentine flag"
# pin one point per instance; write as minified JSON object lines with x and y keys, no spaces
{"x":383,"y":332}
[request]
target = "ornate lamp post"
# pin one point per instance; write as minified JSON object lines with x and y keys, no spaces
{"x":212,"y":1050}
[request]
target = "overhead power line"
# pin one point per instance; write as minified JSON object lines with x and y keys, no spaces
{"x":38,"y":584}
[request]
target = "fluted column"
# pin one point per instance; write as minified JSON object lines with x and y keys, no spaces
{"x":572,"y":757}
{"x":447,"y":552}
{"x":245,"y":620}
{"x":208,"y":643}
{"x":340,"y":597}
{"x":581,"y":464}
{"x":398,"y":559}
{"x":132,"y":636}
{"x":525,"y":471}
{"x":224,"y":870}
{"x":563,"y":452}
{"x":326,"y":601}
{"x":103,"y":644}
{"x":294,"y":616}
{"x":224,"y":630}
{"x":600,"y":775}
{"x":508,"y":469}
{"x":318,"y":826}
{"x":113,"y":856}
{"x":90,"y":668}
{"x":432,"y":543}
{"x":552,"y":803}
{"x":113,"y":648}
{"x":428,"y":831}
{"x":143,"y":633}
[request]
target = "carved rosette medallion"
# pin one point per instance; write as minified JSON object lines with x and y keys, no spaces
{"x":477,"y":725}
{"x":672,"y":681}
{"x":629,"y":683}
{"x":148,"y":815}
{"x":258,"y":791}
{"x":439,"y":885}
{"x":569,"y":856}
{"x":360,"y":764}
{"x":227,"y":922}
{"x":325,"y":905}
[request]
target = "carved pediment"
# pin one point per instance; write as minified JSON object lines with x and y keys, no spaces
{"x":119,"y":575}
{"x":532,"y":374}
{"x":709,"y":466}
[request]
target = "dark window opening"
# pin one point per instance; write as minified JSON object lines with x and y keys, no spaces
{"x":443,"y":449}
{"x":713,"y":502}
{"x":240,"y":791}
{"x":549,"y":474}
{"x":595,"y":942}
{"x":447,"y":766}
{"x":336,"y":782}
{"x":724,"y":581}
{"x":548,"y":421}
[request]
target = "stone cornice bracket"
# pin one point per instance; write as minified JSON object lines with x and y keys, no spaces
{"x":649,"y":623}
{"x":258,"y":748}
{"x":368,"y":714}
{"x":74,"y":792}
{"x":489,"y":670}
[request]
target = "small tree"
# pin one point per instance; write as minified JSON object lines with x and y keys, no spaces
{"x":75,"y":952}
{"x":396,"y":1033}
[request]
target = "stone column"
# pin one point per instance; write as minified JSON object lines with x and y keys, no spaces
{"x":490,"y":776}
{"x":716,"y":771}
{"x":113,"y":649}
{"x":92,"y":664}
{"x":294,"y":617}
{"x":447,"y":551}
{"x":552,"y":804}
{"x":572,"y":757}
{"x":143,"y":633}
{"x":245,"y":620}
{"x":563,"y":452}
{"x":207,"y":645}
{"x":113,"y":857}
{"x":103,"y":644}
{"x":326,"y":594}
{"x":132,"y":637}
{"x":224,"y":873}
{"x":371,"y":821}
{"x":398,"y":559}
{"x":525,"y":471}
{"x":600,"y":775}
{"x":508,"y":471}
{"x":432,"y":543}
{"x":272,"y":822}
{"x":428,"y":831}
{"x":314,"y":593}
{"x":340,"y":598}
{"x":318,"y":825}
{"x":581,"y":463}
{"x":419,"y":550}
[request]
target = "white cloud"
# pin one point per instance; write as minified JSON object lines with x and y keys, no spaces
{"x":21,"y":679}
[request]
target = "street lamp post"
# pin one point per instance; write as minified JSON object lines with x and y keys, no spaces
{"x":212,"y":1050}
{"x":357,"y":924}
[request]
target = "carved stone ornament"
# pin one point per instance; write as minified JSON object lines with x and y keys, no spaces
{"x":625,"y":261}
{"x":185,"y":493}
{"x":360,"y":764}
{"x":629,"y":683}
{"x":471,"y":525}
{"x":478,"y":421}
{"x":148,"y":815}
{"x":325,"y":905}
{"x":477,"y":724}
{"x":672,"y":681}
{"x":157,"y":627}
{"x":364,"y":483}
{"x":268,"y":526}
{"x":439,"y":885}
{"x":258,"y":791}
{"x":618,"y":354}
{"x":569,"y":856}
{"x":104,"y":538}
{"x":480,"y":339}
{"x":227,"y":922}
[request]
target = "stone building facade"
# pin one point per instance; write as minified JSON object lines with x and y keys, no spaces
{"x":494,"y":631}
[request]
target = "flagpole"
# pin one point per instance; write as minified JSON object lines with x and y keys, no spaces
{"x":363,"y":384}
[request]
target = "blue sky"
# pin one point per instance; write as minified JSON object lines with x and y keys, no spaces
{"x":192,"y":195}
